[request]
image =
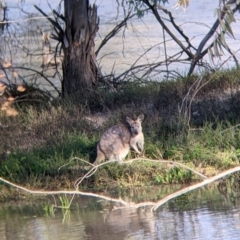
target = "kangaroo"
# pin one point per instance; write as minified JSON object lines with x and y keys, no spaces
{"x":116,"y":141}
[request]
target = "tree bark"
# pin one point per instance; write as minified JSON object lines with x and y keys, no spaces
{"x":80,"y":71}
{"x":3,"y":11}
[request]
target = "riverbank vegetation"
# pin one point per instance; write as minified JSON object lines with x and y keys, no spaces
{"x":44,"y":144}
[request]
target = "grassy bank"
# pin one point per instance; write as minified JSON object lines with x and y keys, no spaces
{"x":200,"y":131}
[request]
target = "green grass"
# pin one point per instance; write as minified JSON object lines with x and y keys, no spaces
{"x":175,"y":175}
{"x":40,"y":140}
{"x":49,"y":209}
{"x":46,"y":160}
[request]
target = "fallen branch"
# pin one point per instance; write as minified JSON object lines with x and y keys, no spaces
{"x":195,"y":186}
{"x":155,"y":205}
{"x":38,"y":192}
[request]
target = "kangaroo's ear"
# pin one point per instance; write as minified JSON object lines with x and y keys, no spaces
{"x":129,"y":120}
{"x":140,"y":117}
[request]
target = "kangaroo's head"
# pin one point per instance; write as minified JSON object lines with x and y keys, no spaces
{"x":135,"y":126}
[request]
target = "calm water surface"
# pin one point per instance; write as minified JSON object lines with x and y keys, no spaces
{"x":141,"y":34}
{"x":205,"y":215}
{"x":140,"y":43}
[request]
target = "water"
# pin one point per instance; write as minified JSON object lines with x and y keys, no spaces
{"x":208,"y":215}
{"x":204,"y":215}
{"x":127,"y":46}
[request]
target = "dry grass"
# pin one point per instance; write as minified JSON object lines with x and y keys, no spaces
{"x":45,"y":135}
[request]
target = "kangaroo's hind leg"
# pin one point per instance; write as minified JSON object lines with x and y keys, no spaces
{"x":100,"y":156}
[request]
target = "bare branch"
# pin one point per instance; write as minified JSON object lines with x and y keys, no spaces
{"x":159,"y":19}
{"x":177,"y":27}
{"x":115,"y":31}
{"x":155,"y":205}
{"x":186,"y":106}
{"x":54,"y":23}
{"x":199,"y":54}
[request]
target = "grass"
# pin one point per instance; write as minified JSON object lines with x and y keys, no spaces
{"x":49,"y":209}
{"x":174,"y":175}
{"x":42,"y":138}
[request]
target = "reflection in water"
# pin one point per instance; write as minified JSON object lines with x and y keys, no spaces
{"x":204,"y":214}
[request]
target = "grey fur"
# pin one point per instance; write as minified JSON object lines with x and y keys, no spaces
{"x":116,"y":141}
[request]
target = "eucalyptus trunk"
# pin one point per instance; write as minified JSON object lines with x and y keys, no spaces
{"x":80,"y":71}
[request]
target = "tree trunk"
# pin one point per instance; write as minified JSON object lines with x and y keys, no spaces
{"x":80,"y":71}
{"x":3,"y":11}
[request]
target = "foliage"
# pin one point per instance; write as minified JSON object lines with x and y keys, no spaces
{"x":138,"y":5}
{"x":42,"y":165}
{"x":175,"y":175}
{"x":41,"y":145}
{"x":49,"y":209}
{"x":65,"y":203}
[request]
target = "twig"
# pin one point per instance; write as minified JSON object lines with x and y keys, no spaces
{"x":199,"y":86}
{"x":42,"y":75}
{"x":167,"y":161}
{"x":90,"y":173}
{"x":75,"y":158}
{"x":115,"y":31}
{"x":237,"y":125}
